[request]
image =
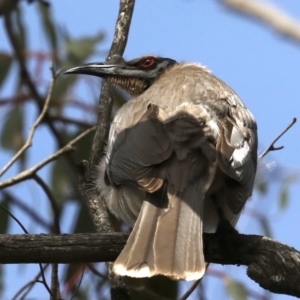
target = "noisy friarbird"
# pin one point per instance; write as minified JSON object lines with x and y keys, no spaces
{"x":181,"y":151}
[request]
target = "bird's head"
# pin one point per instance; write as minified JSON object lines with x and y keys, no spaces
{"x":134,"y":76}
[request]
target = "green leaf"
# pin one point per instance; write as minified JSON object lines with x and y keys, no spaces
{"x":5,"y":64}
{"x":78,"y":50}
{"x":236,"y":290}
{"x":48,"y":24}
{"x":60,"y":89}
{"x":20,"y":31}
{"x":265,"y":224}
{"x":12,"y":132}
{"x":20,"y":28}
{"x":64,"y":177}
{"x":84,"y":146}
{"x":4,"y":217}
{"x":284,"y":197}
{"x":64,"y":181}
{"x":262,"y":187}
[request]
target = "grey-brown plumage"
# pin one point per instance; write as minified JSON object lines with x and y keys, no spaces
{"x":184,"y":147}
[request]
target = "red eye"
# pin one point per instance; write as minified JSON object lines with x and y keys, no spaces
{"x":148,"y":62}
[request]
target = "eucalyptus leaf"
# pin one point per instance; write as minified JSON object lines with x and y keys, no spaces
{"x":236,"y":290}
{"x":20,"y":32}
{"x":78,"y":50}
{"x":20,"y":28}
{"x":290,"y":178}
{"x":265,"y":224}
{"x":60,"y":89}
{"x":64,"y":181}
{"x":12,"y":131}
{"x":284,"y":196}
{"x":262,"y":187}
{"x":84,"y":146}
{"x":5,"y":64}
{"x":48,"y":25}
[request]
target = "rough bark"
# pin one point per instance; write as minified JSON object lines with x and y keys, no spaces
{"x":96,"y":205}
{"x":274,"y":266}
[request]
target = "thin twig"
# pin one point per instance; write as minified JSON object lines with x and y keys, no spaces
{"x":29,"y":172}
{"x":190,"y":290}
{"x":272,"y":147}
{"x":44,"y":281}
{"x":53,"y":202}
{"x":29,"y":285}
{"x":25,"y":230}
{"x":106,"y":102}
{"x":225,"y":278}
{"x":82,"y":105}
{"x":79,"y":283}
{"x":96,"y":272}
{"x":200,"y":292}
{"x":269,"y":14}
{"x":56,"y":226}
{"x":71,"y":121}
{"x":16,"y":99}
{"x":26,"y":76}
{"x":27,"y":209}
{"x":12,"y":216}
{"x":56,"y":212}
{"x":54,"y":282}
{"x":33,"y":128}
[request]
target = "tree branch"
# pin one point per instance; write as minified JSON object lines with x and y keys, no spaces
{"x":26,"y":76}
{"x":269,"y":262}
{"x":97,"y":206}
{"x":25,"y":289}
{"x":29,"y":172}
{"x":28,"y":142}
{"x":25,"y":208}
{"x":269,"y":14}
{"x":272,"y":147}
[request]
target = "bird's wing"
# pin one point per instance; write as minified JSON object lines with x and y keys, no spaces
{"x":237,"y":153}
{"x":137,"y":144}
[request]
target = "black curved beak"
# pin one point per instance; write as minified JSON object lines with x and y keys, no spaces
{"x":95,"y":69}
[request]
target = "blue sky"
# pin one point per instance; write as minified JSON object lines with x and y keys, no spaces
{"x":260,"y":65}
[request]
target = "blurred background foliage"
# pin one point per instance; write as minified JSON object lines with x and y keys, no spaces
{"x":66,"y":118}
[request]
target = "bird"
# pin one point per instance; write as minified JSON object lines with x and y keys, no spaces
{"x":181,"y":155}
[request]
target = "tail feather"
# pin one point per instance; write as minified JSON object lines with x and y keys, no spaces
{"x":137,"y":259}
{"x":167,"y":237}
